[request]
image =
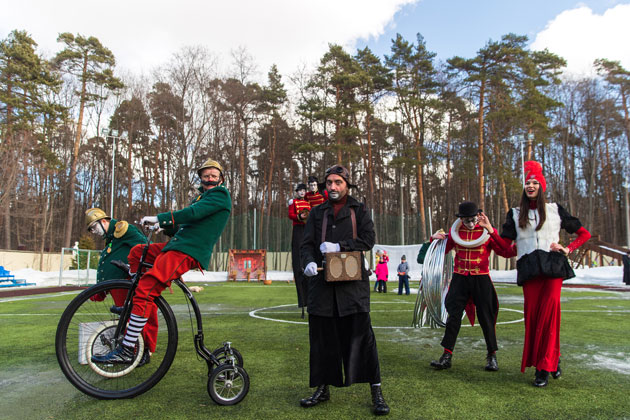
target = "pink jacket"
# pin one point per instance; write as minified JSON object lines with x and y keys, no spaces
{"x":381,"y":271}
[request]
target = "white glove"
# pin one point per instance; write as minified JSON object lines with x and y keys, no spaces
{"x":290,"y":201}
{"x":329,"y":247}
{"x":149,"y":220}
{"x":310,"y":270}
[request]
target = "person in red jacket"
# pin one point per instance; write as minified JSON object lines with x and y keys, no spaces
{"x":313,"y":196}
{"x":299,"y":209}
{"x":541,"y":267}
{"x":471,"y":288}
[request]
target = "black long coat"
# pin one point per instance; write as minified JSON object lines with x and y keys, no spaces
{"x":351,"y":296}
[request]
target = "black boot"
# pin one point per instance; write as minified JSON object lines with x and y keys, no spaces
{"x":380,"y":406}
{"x":558,"y":372}
{"x":491,"y":362}
{"x":121,"y":355}
{"x":322,"y":393}
{"x":145,"y":359}
{"x":444,"y":362}
{"x":541,"y":379}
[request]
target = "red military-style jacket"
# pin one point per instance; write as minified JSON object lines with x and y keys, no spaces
{"x":299,"y":205}
{"x":317,"y":198}
{"x":474,"y":261}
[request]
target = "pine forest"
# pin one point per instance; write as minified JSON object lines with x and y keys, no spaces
{"x":418,"y":135}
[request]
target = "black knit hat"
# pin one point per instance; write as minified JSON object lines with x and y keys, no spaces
{"x":468,"y":209}
{"x":300,"y":187}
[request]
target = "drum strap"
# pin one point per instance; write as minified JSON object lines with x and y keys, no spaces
{"x":353,"y":218}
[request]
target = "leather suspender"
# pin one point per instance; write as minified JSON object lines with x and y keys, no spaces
{"x":353,"y":218}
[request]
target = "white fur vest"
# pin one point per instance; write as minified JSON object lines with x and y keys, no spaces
{"x":530,"y":239}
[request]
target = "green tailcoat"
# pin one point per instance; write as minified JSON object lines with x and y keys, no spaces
{"x":119,"y":240}
{"x":197,"y":228}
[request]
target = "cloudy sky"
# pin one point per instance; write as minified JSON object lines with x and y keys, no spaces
{"x":144,"y":34}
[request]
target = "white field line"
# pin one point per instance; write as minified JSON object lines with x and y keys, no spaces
{"x":254,"y":314}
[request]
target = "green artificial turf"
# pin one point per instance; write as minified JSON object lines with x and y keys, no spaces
{"x":595,"y":345}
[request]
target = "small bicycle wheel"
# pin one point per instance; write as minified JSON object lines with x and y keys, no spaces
{"x":102,"y":342}
{"x":228,"y":384}
{"x":231,"y":355}
{"x":87,"y":327}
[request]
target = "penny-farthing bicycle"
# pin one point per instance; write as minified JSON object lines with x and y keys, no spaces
{"x":93,"y":325}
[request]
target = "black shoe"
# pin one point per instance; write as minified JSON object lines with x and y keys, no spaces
{"x":541,"y":379}
{"x":444,"y":362}
{"x":491,"y":362}
{"x":121,"y":355}
{"x":558,"y":372}
{"x":145,"y":359}
{"x":380,"y":406}
{"x":321,"y":394}
{"x":116,"y":309}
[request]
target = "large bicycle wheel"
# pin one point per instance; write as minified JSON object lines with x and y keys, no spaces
{"x":87,"y":328}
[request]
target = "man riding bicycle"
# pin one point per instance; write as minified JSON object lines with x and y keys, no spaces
{"x":195,"y":230}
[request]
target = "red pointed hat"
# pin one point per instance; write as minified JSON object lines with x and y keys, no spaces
{"x":533,"y":170}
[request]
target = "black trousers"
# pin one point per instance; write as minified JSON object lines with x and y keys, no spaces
{"x":298,"y":274}
{"x":484,"y":296}
{"x":347,"y":341}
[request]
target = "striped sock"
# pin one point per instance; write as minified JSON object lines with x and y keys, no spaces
{"x":136,"y":324}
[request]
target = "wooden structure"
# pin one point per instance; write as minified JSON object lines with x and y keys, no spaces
{"x":247,"y":264}
{"x":594,"y":251}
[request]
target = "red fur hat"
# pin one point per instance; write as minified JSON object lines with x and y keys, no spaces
{"x":533,"y":170}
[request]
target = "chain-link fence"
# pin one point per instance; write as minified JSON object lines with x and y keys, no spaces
{"x":250,"y":231}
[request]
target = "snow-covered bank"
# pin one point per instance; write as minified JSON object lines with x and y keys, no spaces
{"x":603,"y":276}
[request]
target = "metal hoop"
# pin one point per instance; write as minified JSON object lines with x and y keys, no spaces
{"x":437,"y":272}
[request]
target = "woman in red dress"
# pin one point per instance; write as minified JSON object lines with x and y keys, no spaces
{"x":542,"y":266}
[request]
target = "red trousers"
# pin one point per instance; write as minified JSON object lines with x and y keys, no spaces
{"x":167,"y":266}
{"x":150,"y":331}
{"x":541,"y":348}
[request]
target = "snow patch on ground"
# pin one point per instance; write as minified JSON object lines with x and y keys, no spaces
{"x":617,"y":362}
{"x":603,"y":276}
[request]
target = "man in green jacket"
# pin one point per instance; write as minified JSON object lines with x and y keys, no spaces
{"x":195,"y":230}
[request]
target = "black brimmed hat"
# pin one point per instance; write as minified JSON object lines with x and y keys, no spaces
{"x":468,"y":209}
{"x":300,"y":187}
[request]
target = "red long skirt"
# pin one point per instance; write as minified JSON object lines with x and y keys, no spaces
{"x":541,"y":348}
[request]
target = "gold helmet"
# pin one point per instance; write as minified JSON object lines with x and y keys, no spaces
{"x":93,"y":215}
{"x":211,"y":163}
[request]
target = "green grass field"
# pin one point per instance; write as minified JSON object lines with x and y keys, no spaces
{"x":595,"y":338}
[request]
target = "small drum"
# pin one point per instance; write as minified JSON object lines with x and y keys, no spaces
{"x":303,"y":214}
{"x":343,"y":266}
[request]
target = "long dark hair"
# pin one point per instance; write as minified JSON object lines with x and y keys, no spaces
{"x":523,"y":215}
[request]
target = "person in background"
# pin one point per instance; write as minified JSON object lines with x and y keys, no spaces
{"x":403,"y":275}
{"x":299,"y":209}
{"x":313,"y":196}
{"x":382,"y":272}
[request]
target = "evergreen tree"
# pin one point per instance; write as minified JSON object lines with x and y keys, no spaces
{"x":92,"y":64}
